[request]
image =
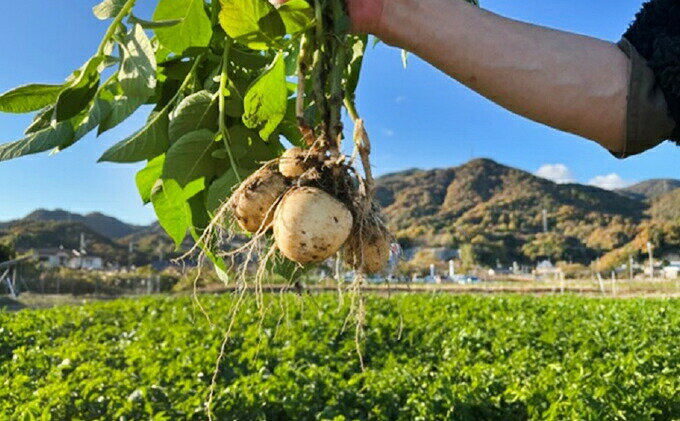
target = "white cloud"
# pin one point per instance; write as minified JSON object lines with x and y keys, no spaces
{"x":559,"y":173}
{"x":609,"y":182}
{"x":388,"y":132}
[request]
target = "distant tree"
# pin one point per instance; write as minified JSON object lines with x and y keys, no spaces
{"x":6,"y":252}
{"x":546,"y":246}
{"x":468,"y":257}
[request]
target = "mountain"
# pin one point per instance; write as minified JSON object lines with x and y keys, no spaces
{"x":494,"y":210}
{"x":102,"y":224}
{"x":105,"y":236}
{"x":662,"y":230}
{"x":499,"y":210}
{"x":650,"y":189}
{"x":27,"y":234}
{"x":666,"y":207}
{"x":153,"y":240}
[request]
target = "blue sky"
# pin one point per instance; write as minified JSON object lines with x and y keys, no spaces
{"x":417,"y":116}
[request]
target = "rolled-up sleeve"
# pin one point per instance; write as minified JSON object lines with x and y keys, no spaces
{"x":648,"y":120}
{"x":652,"y":44}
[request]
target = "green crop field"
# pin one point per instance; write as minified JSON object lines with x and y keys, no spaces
{"x":426,"y":357}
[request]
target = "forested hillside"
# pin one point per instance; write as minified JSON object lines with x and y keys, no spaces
{"x":499,"y":210}
{"x":496,"y":209}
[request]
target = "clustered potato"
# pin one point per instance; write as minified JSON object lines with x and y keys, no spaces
{"x":309,"y":224}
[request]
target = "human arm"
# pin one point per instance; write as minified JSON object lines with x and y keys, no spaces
{"x":571,"y":82}
{"x":574,"y":83}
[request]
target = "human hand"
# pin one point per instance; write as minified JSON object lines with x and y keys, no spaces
{"x":364,"y":14}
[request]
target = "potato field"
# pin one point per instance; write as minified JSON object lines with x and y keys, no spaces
{"x":426,"y":357}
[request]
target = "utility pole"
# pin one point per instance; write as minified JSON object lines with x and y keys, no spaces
{"x":83,"y":249}
{"x":545,"y":220}
{"x":650,"y":248}
{"x":131,"y":249}
{"x":159,"y":249}
{"x":630,"y":267}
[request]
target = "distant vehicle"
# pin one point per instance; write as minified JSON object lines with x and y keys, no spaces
{"x":465,"y":279}
{"x":473,"y":280}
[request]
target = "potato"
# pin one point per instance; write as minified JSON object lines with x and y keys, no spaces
{"x":295,"y":161}
{"x":310,"y":225}
{"x":368,"y":251}
{"x":252,"y":202}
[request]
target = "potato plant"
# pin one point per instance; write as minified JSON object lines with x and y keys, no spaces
{"x":227,"y":80}
{"x":218,"y":77}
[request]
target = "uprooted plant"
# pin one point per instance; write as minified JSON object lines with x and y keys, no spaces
{"x":218,"y":79}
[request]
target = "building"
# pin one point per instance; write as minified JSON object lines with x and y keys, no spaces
{"x":84,"y":261}
{"x":672,"y":271}
{"x":56,"y":257}
{"x":547,"y":269}
{"x":52,"y":257}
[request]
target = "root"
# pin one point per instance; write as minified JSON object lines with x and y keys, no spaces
{"x":359,"y":329}
{"x":194,"y":294}
{"x":223,"y":346}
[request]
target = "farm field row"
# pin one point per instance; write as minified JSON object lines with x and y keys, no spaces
{"x":425,"y":356}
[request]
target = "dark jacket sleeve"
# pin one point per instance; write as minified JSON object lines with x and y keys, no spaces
{"x":654,"y":36}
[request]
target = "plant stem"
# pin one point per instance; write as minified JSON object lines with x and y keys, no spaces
{"x":303,"y":65}
{"x":351,"y":109}
{"x":363,"y":144}
{"x":301,"y":73}
{"x":338,"y":66}
{"x":336,"y":93}
{"x":185,"y":83}
{"x":214,"y":11}
{"x":189,"y":78}
{"x":124,"y":11}
{"x":224,"y":130}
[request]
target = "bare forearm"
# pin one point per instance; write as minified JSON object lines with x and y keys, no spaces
{"x":571,"y":82}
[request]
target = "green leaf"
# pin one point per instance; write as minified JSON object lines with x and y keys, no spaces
{"x":40,"y":141}
{"x":266,"y":100}
{"x":198,"y":214}
{"x":81,"y":88}
{"x":29,"y":98}
{"x":99,"y":110}
{"x":220,"y":189}
{"x":250,"y":60}
{"x":193,"y":188}
{"x":170,"y":204}
{"x":108,"y":9}
{"x":122,"y":107}
{"x":354,"y":66}
{"x":148,"y":24}
{"x":41,"y":120}
{"x":147,"y":143}
{"x":254,"y":23}
{"x":197,"y":111}
{"x":147,"y":177}
{"x":240,"y":138}
{"x":297,"y":16}
{"x":189,"y":158}
{"x":137,"y":74}
{"x":194,"y":30}
{"x":289,"y":127}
